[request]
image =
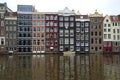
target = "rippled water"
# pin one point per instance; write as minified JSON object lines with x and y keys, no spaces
{"x":56,"y":67}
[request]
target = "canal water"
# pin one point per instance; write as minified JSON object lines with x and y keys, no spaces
{"x":58,"y":67}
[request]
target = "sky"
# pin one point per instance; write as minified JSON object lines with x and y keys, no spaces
{"x":105,"y":7}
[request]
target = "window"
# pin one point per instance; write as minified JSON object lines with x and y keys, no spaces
{"x":77,"y":36}
{"x":118,"y":31}
{"x":92,"y":41}
{"x":2,"y":23}
{"x":107,"y":20}
{"x":61,"y":48}
{"x":86,"y":24}
{"x":43,"y":17}
{"x":43,"y":29}
{"x":78,"y":24}
{"x":38,"y":42}
{"x":86,"y":44}
{"x":14,"y":36}
{"x":92,"y":34}
{"x":95,"y":33}
{"x":10,"y":28}
{"x":82,"y":37}
{"x":2,"y":41}
{"x":96,"y":20}
{"x":14,"y":28}
{"x":34,"y":23}
{"x":100,"y":41}
{"x":2,"y":15}
{"x":71,"y":24}
{"x":71,"y":33}
{"x":51,"y":17}
{"x":55,"y":24}
{"x":61,"y":33}
{"x":109,"y":30}
{"x":86,"y":37}
{"x":34,"y":42}
{"x":109,"y":25}
{"x":113,"y":30}
{"x":96,"y":48}
{"x":118,"y":37}
{"x":71,"y":18}
{"x":61,"y":40}
{"x":71,"y":48}
{"x":55,"y":17}
{"x":38,"y":34}
{"x":66,"y":24}
{"x":55,"y":29}
{"x":86,"y":49}
{"x":66,"y":32}
{"x":71,"y":40}
{"x":77,"y":48}
{"x":66,"y":18}
{"x":34,"y":29}
{"x":104,"y":25}
{"x":38,"y":29}
{"x":82,"y":43}
{"x":34,"y":34}
{"x":105,"y":36}
{"x":42,"y":35}
{"x":51,"y":23}
{"x":6,"y":22}
{"x":114,"y":37}
{"x":82,"y":24}
{"x":77,"y":43}
{"x":7,"y":28}
{"x":47,"y":23}
{"x":99,"y":33}
{"x":61,"y":24}
{"x":60,"y":18}
{"x":105,"y":30}
{"x":10,"y":35}
{"x":109,"y":36}
{"x":38,"y":23}
{"x":14,"y":22}
{"x":82,"y":49}
{"x":43,"y":23}
{"x":77,"y":29}
{"x":51,"y":29}
{"x":115,"y":24}
{"x":42,"y":42}
{"x":82,"y":30}
{"x":96,"y":41}
{"x":47,"y":17}
{"x":66,"y":40}
{"x":86,"y":30}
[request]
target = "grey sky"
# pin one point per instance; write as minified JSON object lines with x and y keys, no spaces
{"x":110,"y":7}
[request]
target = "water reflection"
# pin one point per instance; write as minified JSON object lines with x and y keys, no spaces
{"x":56,"y":67}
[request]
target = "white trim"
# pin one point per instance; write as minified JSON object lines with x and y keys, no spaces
{"x":82,"y":20}
{"x":11,"y":18}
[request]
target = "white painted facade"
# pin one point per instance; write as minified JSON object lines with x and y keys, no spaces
{"x":111,"y":32}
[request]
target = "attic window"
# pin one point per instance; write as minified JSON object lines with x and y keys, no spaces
{"x":115,"y":18}
{"x":107,"y":20}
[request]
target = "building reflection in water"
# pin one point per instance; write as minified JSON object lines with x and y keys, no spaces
{"x":56,"y":67}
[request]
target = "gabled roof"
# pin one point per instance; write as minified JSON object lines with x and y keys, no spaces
{"x":96,"y":14}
